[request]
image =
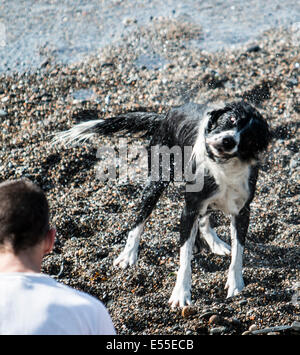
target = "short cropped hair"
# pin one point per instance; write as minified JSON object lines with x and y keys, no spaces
{"x":24,"y":214}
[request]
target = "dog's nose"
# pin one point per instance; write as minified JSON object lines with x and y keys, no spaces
{"x":228,"y":143}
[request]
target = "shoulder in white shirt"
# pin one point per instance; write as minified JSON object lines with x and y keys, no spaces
{"x":37,"y":304}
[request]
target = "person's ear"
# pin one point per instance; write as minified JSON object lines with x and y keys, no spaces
{"x":49,"y":241}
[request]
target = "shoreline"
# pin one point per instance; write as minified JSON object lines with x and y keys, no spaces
{"x":69,"y":32}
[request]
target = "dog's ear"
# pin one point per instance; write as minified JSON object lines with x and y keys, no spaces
{"x":262,"y":134}
{"x":254,"y":139}
{"x":215,"y":115}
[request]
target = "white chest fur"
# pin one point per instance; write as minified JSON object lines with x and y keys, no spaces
{"x":233,"y":192}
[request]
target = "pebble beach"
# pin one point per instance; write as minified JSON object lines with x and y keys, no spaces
{"x":154,"y":65}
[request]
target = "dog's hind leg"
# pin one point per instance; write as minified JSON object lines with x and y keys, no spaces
{"x":150,"y":196}
{"x":215,"y":244}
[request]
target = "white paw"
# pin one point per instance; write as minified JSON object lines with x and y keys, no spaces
{"x":216,"y":245}
{"x":180,"y":297}
{"x":219,"y":247}
{"x":126,"y":258}
{"x":234,"y":284}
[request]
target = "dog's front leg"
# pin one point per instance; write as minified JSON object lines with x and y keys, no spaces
{"x":239,"y":227}
{"x":129,"y":255}
{"x":181,"y":294}
{"x":189,"y":225}
{"x":196,"y":205}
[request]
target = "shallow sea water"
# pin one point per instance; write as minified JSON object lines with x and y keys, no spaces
{"x":69,"y":31}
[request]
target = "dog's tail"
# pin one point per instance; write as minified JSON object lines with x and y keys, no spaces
{"x":131,"y":122}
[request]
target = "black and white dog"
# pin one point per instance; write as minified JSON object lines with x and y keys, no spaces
{"x":225,"y":143}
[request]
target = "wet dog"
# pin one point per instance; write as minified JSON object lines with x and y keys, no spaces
{"x":225,"y":143}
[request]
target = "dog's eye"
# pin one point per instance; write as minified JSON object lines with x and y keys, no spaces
{"x":211,"y":126}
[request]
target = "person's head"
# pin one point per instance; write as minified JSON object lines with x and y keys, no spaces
{"x":24,"y":217}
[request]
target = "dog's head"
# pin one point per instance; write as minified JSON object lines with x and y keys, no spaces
{"x":237,"y":130}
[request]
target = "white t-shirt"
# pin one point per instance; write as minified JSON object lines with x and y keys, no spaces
{"x":32,"y":304}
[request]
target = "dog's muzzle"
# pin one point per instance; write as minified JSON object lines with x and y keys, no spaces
{"x":223,"y":144}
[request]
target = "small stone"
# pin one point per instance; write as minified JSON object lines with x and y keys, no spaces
{"x":187,"y":311}
{"x":3,"y":113}
{"x":255,"y":48}
{"x":242,"y":302}
{"x":129,"y":21}
{"x":293,"y":163}
{"x":107,"y":100}
{"x":109,"y":303}
{"x":292,"y":82}
{"x":215,"y":319}
{"x":218,"y":330}
{"x":207,"y":314}
{"x":296,"y":326}
{"x":5,"y":99}
{"x":247,"y":332}
{"x":235,"y":322}
{"x":252,"y":327}
{"x":280,"y":328}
